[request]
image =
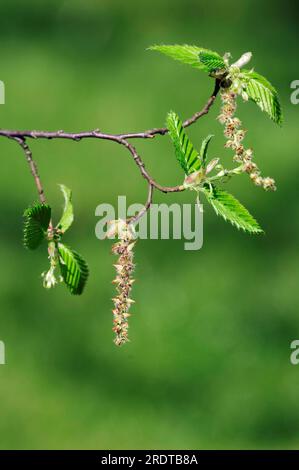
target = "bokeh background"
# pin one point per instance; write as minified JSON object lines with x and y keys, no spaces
{"x":208,"y":365}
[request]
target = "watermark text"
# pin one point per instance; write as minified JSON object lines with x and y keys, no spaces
{"x":2,"y":353}
{"x":162,"y":221}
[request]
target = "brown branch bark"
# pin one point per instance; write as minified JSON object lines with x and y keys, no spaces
{"x":145,"y":208}
{"x":33,"y":167}
{"x":122,"y":139}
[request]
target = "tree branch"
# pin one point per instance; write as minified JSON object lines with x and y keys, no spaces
{"x":139,"y":162}
{"x":122,"y":139}
{"x":33,"y":167}
{"x":96,"y":134}
{"x":145,"y":208}
{"x":188,"y":122}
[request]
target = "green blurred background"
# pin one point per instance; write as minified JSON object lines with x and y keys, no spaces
{"x":208,"y":364}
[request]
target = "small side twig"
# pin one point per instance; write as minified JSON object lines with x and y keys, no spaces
{"x":151,"y":133}
{"x":33,"y":167}
{"x":139,"y":162}
{"x":145,"y":208}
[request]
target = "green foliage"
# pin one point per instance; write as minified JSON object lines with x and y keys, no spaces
{"x":189,"y":55}
{"x":36,"y":223}
{"x":211,"y":61}
{"x":74,"y":269}
{"x":187,"y":156}
{"x":257,"y":87}
{"x":231,"y":209}
{"x":263,"y":323}
{"x":260,"y":90}
{"x":68,"y":212}
{"x":204,"y":148}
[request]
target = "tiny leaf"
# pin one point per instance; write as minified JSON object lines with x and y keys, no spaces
{"x":204,"y":147}
{"x":36,"y":223}
{"x":231,"y":209}
{"x":68,"y":213}
{"x":212,"y":61}
{"x":260,"y":90}
{"x":186,"y":54}
{"x":74,"y":269}
{"x":187,"y":156}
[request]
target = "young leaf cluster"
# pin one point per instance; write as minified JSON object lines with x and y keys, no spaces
{"x":197,"y":172}
{"x":38,"y":227}
{"x":247,"y":83}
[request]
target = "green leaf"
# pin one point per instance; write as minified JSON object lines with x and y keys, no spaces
{"x":263,"y":94}
{"x":68,"y":213}
{"x":187,"y":54}
{"x":74,"y":269}
{"x":231,"y":209}
{"x":186,"y":155}
{"x":204,"y":147}
{"x":212,"y":61}
{"x":36,"y":223}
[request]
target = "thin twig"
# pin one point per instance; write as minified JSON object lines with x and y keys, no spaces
{"x":96,"y":134}
{"x":122,"y":139}
{"x":33,"y":167}
{"x":145,"y":208}
{"x":188,"y":122}
{"x":139,"y":162}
